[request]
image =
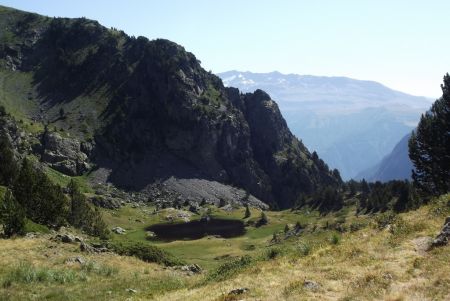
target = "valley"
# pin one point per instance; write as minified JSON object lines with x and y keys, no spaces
{"x":129,"y":172}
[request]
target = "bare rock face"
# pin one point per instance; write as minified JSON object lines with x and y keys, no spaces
{"x":64,"y":154}
{"x":160,"y":114}
{"x":443,"y":236}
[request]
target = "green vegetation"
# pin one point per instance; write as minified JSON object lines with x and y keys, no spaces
{"x":12,"y":216}
{"x":27,"y":273}
{"x":429,"y":146}
{"x":146,"y":252}
{"x":230,"y":269}
{"x":31,"y":194}
{"x":82,"y":215}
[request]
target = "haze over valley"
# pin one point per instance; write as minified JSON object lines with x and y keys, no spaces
{"x":352,"y":124}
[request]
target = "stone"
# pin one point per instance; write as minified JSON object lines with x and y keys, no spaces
{"x":150,"y":235}
{"x":190,"y":269}
{"x":77,"y":259}
{"x":31,"y":235}
{"x":118,"y":230}
{"x":422,"y":244}
{"x":443,"y":236}
{"x":238,"y":291}
{"x":66,"y":238}
{"x":311,"y":285}
{"x":85,"y":247}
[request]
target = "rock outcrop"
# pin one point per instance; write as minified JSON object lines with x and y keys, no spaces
{"x":153,"y":113}
{"x":443,"y":236}
{"x":64,"y":154}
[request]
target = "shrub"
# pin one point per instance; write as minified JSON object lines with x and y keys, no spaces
{"x":99,"y":269}
{"x":31,"y":226}
{"x":273,"y":253}
{"x":263,"y":220}
{"x":230,"y":268}
{"x":304,"y":248}
{"x":384,"y":219}
{"x":335,"y":239}
{"x":146,"y":253}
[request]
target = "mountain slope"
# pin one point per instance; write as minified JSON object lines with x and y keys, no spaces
{"x":395,"y":166}
{"x":352,"y":124}
{"x":145,"y":112}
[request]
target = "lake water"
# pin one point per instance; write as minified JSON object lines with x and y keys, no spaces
{"x":225,"y":228}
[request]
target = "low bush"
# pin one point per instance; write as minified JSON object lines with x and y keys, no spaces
{"x":230,"y":268}
{"x":99,"y":269}
{"x":384,"y":219}
{"x":273,"y":253}
{"x":146,"y":253}
{"x":304,"y":248}
{"x":335,"y":239}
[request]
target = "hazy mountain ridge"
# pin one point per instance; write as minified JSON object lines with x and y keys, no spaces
{"x":351,"y":123}
{"x":395,"y":166}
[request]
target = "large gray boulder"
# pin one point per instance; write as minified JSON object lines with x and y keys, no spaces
{"x":64,"y":154}
{"x":443,"y":236}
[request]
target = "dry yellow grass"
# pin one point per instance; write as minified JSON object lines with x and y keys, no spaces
{"x":369,"y":264}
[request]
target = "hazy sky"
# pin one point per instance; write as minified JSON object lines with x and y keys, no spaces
{"x":402,"y":44}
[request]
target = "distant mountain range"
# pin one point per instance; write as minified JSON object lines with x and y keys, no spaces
{"x":395,"y":166}
{"x":352,"y":124}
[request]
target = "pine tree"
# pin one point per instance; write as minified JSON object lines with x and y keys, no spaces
{"x":43,"y":201}
{"x":8,"y":166}
{"x":429,"y":146}
{"x":82,"y":215}
{"x":247,"y":212}
{"x":12,"y":216}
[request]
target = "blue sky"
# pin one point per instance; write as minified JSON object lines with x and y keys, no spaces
{"x":402,"y":44}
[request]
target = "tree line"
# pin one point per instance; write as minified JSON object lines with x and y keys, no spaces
{"x":31,"y":195}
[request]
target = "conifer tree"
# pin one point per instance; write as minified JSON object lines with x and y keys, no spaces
{"x":12,"y":216}
{"x":8,"y":166}
{"x":247,"y":212}
{"x":429,"y":146}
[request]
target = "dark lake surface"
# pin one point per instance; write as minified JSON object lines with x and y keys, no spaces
{"x":197,"y":229}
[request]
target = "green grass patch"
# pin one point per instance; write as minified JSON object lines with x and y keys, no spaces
{"x":230,"y":268}
{"x":31,"y":226}
{"x":27,"y":273}
{"x":146,"y":252}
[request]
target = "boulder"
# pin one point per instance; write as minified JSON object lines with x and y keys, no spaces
{"x":190,"y":269}
{"x":85,"y":247}
{"x":64,"y":154}
{"x":77,"y":259}
{"x":66,"y":238}
{"x":118,"y":230}
{"x":238,"y":291}
{"x":443,"y":236}
{"x":150,"y":235}
{"x":311,"y":285}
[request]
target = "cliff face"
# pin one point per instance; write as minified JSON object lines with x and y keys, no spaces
{"x":150,"y":112}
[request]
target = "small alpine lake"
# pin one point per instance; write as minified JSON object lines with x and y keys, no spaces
{"x":226,"y":228}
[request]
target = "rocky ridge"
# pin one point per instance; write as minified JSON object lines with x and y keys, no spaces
{"x":139,"y":112}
